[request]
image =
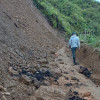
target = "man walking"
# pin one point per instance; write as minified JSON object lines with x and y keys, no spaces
{"x":74,"y":43}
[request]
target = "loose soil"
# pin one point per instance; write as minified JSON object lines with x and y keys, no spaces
{"x":90,"y":58}
{"x":34,"y":62}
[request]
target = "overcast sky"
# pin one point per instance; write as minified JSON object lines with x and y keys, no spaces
{"x":97,"y":0}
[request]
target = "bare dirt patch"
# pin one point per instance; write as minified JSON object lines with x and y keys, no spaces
{"x":90,"y":58}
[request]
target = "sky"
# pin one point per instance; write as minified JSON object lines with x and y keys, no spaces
{"x":97,"y":0}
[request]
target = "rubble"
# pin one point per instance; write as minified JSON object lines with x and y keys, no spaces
{"x":2,"y":88}
{"x":86,"y":94}
{"x":12,"y":71}
{"x":85,"y":71}
{"x":25,"y":79}
{"x":51,"y":93}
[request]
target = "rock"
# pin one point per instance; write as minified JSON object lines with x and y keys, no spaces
{"x":86,"y":94}
{"x":32,"y":70}
{"x":67,"y":78}
{"x":88,"y":98}
{"x":75,"y":79}
{"x":2,"y":88}
{"x":60,"y":59}
{"x":85,"y":71}
{"x":33,"y":98}
{"x":25,"y":79}
{"x":19,"y":53}
{"x":75,"y":98}
{"x":12,"y":71}
{"x":69,"y":84}
{"x":0,"y":95}
{"x":51,"y":93}
{"x":54,"y":64}
{"x":40,"y":75}
{"x":53,"y":81}
{"x":56,"y":54}
{"x":6,"y":93}
{"x":46,"y":83}
{"x":11,"y":83}
{"x":52,"y":52}
{"x":61,"y":62}
{"x":39,"y":98}
{"x":66,"y":73}
{"x":3,"y":98}
{"x":43,"y":61}
{"x":36,"y":83}
{"x":45,"y":66}
{"x":43,"y":70}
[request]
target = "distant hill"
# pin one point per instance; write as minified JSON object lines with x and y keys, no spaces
{"x":72,"y":15}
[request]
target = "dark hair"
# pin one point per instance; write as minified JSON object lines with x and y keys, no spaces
{"x":73,"y":33}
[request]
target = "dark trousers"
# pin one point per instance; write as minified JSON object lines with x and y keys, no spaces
{"x":73,"y":54}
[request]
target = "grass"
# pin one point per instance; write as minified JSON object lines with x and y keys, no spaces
{"x":92,"y":40}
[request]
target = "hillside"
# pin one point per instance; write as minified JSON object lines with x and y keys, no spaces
{"x":35,"y":63}
{"x":72,"y":15}
{"x":25,"y":38}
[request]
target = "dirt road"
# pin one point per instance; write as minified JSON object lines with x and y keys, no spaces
{"x":84,"y":84}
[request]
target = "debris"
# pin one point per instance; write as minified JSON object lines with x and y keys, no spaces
{"x":3,"y":98}
{"x":68,"y":84}
{"x":6,"y":93}
{"x":75,"y":98}
{"x":86,"y":94}
{"x":41,"y":75}
{"x":25,"y":79}
{"x":67,"y":78}
{"x":66,"y":73}
{"x":36,"y":83}
{"x":2,"y":88}
{"x":61,"y":62}
{"x":12,"y":71}
{"x":33,"y":98}
{"x":56,"y":54}
{"x":85,"y":71}
{"x":43,"y":61}
{"x":52,"y":52}
{"x":51,"y":93}
{"x":75,"y":93}
{"x":75,"y":79}
{"x":60,"y":59}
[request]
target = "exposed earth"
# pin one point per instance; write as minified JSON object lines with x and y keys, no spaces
{"x":90,"y":57}
{"x":35,"y":63}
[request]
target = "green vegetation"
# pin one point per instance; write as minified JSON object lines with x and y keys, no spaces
{"x":93,"y":41}
{"x":73,"y":15}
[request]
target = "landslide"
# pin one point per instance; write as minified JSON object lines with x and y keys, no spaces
{"x":90,"y":57}
{"x":25,"y":38}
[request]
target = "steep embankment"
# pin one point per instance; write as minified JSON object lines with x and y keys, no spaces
{"x":90,"y":57}
{"x":25,"y":37}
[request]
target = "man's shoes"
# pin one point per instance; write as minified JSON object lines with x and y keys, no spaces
{"x":76,"y":63}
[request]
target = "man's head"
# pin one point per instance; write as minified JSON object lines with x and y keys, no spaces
{"x":74,"y":33}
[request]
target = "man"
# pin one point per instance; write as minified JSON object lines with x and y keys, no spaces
{"x":74,"y":43}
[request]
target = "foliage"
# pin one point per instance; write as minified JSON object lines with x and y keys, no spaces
{"x":71,"y":15}
{"x":92,"y":40}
